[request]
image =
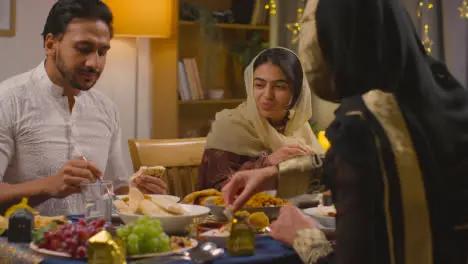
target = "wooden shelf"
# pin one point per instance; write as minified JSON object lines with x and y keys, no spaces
{"x":229,"y":26}
{"x":211,"y":102}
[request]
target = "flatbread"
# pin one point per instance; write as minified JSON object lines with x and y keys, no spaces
{"x":149,"y":208}
{"x":169,"y":205}
{"x":155,"y":171}
{"x":193,"y":197}
{"x":122,"y":207}
{"x":135,"y":197}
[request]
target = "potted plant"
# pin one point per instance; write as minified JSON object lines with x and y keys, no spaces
{"x":243,"y":53}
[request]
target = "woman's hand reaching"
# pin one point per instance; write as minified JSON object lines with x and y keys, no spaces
{"x":244,"y":184}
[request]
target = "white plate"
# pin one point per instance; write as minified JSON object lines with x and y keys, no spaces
{"x":177,"y":224}
{"x":327,"y":222}
{"x":176,"y":199}
{"x":194,"y":243}
{"x":52,"y":253}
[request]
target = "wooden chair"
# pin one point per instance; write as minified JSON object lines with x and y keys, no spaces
{"x":181,"y":157}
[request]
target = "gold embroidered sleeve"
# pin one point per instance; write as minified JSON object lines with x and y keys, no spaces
{"x":311,"y":245}
{"x":300,"y":175}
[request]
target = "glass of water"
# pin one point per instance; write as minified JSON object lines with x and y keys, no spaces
{"x":97,"y":202}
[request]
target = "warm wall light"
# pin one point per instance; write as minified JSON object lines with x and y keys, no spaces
{"x":142,"y":18}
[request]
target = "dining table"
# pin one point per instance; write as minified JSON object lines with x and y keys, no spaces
{"x":267,"y":250}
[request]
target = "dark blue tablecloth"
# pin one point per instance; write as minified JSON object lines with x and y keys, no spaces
{"x":267,"y":251}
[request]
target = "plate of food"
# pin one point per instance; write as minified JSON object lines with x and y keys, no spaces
{"x":144,"y":238}
{"x":174,"y":217}
{"x":325,"y":215}
{"x":260,"y":202}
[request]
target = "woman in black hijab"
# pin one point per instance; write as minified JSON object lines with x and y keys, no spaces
{"x":399,"y":157}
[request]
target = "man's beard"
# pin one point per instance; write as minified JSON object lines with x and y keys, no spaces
{"x":70,"y":75}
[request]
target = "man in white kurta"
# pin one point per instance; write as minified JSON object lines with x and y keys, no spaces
{"x":38,"y":134}
{"x":56,"y":132}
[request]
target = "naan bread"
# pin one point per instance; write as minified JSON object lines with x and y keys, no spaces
{"x":155,"y":171}
{"x":200,"y":196}
{"x":169,"y":205}
{"x":149,"y":208}
{"x":122,"y":207}
{"x":135,"y":197}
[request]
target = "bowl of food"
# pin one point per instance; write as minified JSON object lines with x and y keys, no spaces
{"x":260,"y":202}
{"x":175,"y":218}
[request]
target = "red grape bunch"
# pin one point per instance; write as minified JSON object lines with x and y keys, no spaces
{"x":72,"y":238}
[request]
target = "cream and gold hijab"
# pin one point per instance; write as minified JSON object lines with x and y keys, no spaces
{"x":315,"y":68}
{"x":243,"y":131}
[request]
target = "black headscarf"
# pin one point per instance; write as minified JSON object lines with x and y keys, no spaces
{"x":372,"y":44}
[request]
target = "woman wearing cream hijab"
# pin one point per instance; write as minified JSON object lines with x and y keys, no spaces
{"x":270,"y":127}
{"x":398,"y":161}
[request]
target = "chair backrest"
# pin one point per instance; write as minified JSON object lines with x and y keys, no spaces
{"x":181,"y":157}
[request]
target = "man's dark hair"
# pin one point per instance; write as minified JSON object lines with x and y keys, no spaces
{"x":64,"y":11}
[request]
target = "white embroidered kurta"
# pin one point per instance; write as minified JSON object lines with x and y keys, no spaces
{"x":38,"y":135}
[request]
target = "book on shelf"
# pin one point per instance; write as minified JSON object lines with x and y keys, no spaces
{"x":189,"y":80}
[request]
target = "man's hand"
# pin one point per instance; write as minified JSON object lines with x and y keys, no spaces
{"x":287,"y":152}
{"x":67,"y":181}
{"x":151,"y":185}
{"x":289,"y":222}
{"x":243,"y":184}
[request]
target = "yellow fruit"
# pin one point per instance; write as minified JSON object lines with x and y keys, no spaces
{"x":323,"y":140}
{"x":259,"y":220}
{"x":22,"y":205}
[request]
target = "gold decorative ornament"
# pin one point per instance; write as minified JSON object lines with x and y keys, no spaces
{"x":295,"y":27}
{"x":423,"y":8}
{"x":271,"y":6}
{"x":463,"y":9}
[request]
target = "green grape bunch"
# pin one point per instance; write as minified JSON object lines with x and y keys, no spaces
{"x":144,"y":236}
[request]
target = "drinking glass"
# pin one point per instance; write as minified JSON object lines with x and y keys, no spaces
{"x":97,"y":201}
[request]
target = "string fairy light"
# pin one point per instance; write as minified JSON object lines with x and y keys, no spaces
{"x":426,"y":6}
{"x":463,"y":9}
{"x":295,"y":27}
{"x":272,"y":7}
